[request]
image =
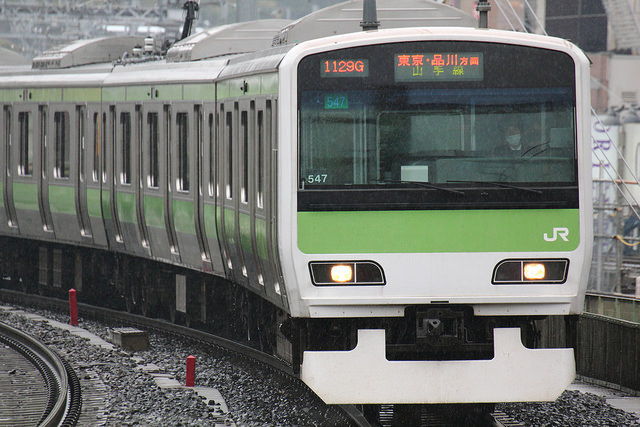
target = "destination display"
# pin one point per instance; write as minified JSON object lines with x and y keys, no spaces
{"x":440,"y":66}
{"x":344,"y":68}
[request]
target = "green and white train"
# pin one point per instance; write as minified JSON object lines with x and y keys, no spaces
{"x":358,"y":190}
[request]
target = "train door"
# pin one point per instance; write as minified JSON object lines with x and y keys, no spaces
{"x":154,"y":167}
{"x":245,"y":225}
{"x":8,"y":215}
{"x":260,"y":219}
{"x":25,"y":170}
{"x":143,"y":231}
{"x":271,"y":199}
{"x":183,"y":184}
{"x":228,"y":172}
{"x":60,"y":173}
{"x":124,"y":179}
{"x":45,"y":173}
{"x":167,"y":183}
{"x":109,"y":190}
{"x":209,"y":208}
{"x":93,"y":176}
{"x":197,"y":193}
{"x":81,"y":164}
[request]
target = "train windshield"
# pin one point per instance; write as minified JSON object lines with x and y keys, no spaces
{"x":437,"y":125}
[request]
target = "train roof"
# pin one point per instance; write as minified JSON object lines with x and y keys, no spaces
{"x":84,"y":52}
{"x":344,"y":18}
{"x":9,"y":57}
{"x":242,"y":37}
{"x":164,"y":72}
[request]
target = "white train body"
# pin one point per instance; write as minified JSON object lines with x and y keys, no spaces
{"x":357,"y":185}
{"x":429,"y":257}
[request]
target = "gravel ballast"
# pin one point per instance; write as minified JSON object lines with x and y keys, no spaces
{"x":255,"y":397}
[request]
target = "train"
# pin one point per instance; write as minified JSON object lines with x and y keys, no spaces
{"x":356,"y":202}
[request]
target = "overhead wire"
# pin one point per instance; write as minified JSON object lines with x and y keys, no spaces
{"x":504,"y":15}
{"x":633,"y":203}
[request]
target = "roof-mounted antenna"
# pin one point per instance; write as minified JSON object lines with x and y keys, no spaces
{"x":369,"y":16}
{"x":483,"y":7}
{"x":192,"y":7}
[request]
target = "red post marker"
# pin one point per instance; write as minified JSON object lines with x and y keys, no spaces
{"x":73,"y":307}
{"x":191,"y":371}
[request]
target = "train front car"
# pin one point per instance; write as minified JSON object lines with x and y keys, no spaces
{"x":434,"y":201}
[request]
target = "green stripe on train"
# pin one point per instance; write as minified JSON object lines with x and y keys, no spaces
{"x":210,"y":221}
{"x":261,"y":238}
{"x":230,"y":226}
{"x":93,"y":203}
{"x":75,"y":94}
{"x":126,"y":205}
{"x":62,"y":199}
{"x":1,"y":194}
{"x":154,"y":211}
{"x":183,"y":217}
{"x":438,"y":231}
{"x":264,"y":84}
{"x":45,"y":95}
{"x":25,"y":196}
{"x":106,"y":204}
{"x":199,"y":92}
{"x":244,"y":221}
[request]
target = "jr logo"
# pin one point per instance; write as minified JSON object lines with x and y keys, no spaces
{"x":561,"y":232}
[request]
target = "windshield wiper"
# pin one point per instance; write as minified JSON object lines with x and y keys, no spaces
{"x":422,"y":184}
{"x":499,"y":184}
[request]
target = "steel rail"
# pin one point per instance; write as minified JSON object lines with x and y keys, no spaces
{"x":65,"y":400}
{"x":107,"y":315}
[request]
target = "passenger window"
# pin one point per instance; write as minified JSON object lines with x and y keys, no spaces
{"x":7,"y":138}
{"x":182,"y":122}
{"x":244,"y":130}
{"x":80,"y":115}
{"x":260,"y":137}
{"x":96,"y":148}
{"x":211,"y":156}
{"x":62,"y":144}
{"x":228,"y":144}
{"x":125,"y":127}
{"x":152,"y":124}
{"x":25,"y":141}
{"x":103,"y":148}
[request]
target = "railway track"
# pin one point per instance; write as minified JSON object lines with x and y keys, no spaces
{"x":351,"y":414}
{"x":438,"y":416}
{"x":61,"y":402}
{"x":361,"y":416}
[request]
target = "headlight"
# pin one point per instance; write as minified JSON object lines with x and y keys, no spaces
{"x":534,"y":271}
{"x":342,"y":273}
{"x":528,"y":271}
{"x":326,"y":273}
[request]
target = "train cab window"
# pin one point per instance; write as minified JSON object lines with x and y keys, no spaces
{"x":125,"y":127}
{"x":95,"y":175}
{"x":152,"y":125}
{"x":244,"y":131}
{"x":400,"y":139}
{"x":182,"y":122}
{"x":25,"y":141}
{"x":62,"y":144}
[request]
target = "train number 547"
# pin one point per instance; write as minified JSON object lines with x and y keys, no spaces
{"x":317,"y":179}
